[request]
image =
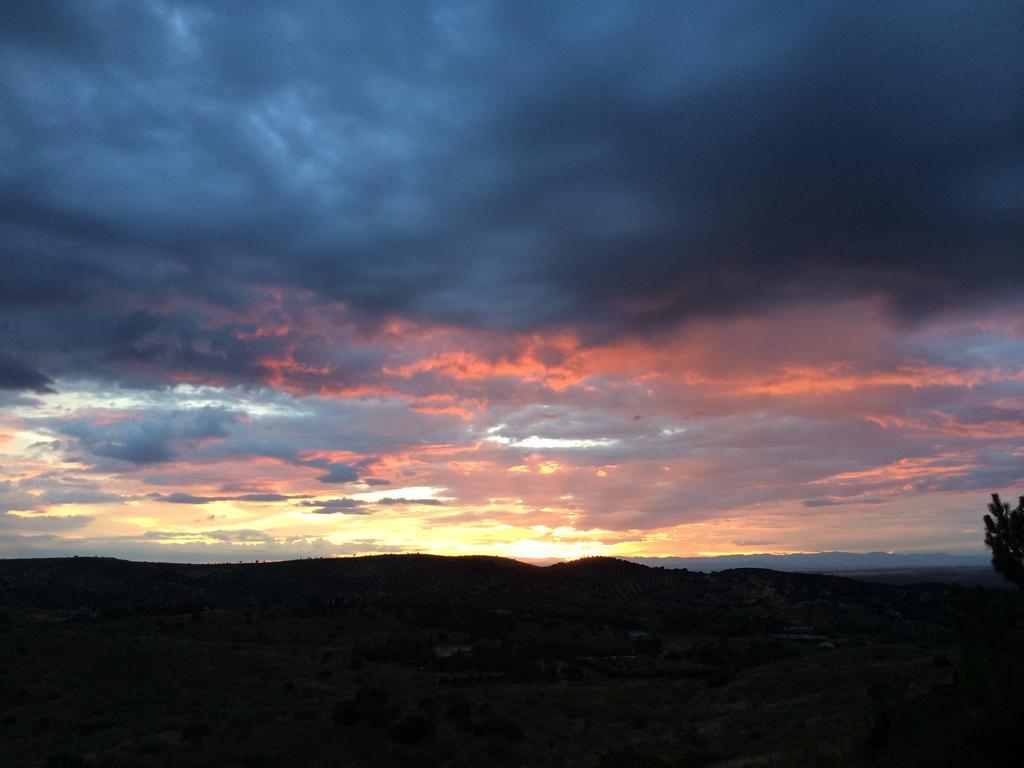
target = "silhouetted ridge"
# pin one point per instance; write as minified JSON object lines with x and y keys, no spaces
{"x":621,"y":579}
{"x":590,"y":586}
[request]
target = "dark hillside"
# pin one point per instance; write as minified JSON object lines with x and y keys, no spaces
{"x":474,"y":660}
{"x":105,"y":584}
{"x":466,"y":591}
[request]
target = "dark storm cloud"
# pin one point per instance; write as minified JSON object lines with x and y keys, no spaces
{"x":16,"y":375}
{"x":608,"y":167}
{"x":148,"y":440}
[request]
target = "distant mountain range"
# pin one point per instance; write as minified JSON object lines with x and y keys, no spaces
{"x":821,"y":561}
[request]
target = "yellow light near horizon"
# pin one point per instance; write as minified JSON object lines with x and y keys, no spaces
{"x":141,"y":522}
{"x":532,"y":549}
{"x":403,"y":493}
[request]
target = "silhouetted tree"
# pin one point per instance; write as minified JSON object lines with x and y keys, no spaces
{"x":1004,"y":535}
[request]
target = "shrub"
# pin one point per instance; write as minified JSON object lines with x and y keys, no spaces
{"x":460,"y":710}
{"x":346,"y":713}
{"x":413,"y":729}
{"x":195,"y":732}
{"x":572,"y":672}
{"x":372,"y":704}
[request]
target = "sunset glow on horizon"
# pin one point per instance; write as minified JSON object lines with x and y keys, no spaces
{"x":541,"y":284}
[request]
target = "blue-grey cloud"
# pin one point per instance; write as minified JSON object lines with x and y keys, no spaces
{"x":390,"y":501}
{"x":336,"y":472}
{"x":18,"y":376}
{"x":43,"y":523}
{"x":344,"y":506}
{"x":36,"y":494}
{"x":607,"y":167}
{"x":149,"y":440}
{"x":187,"y":498}
{"x":837,"y":502}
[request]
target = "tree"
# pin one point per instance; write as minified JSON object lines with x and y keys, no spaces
{"x":1004,"y":535}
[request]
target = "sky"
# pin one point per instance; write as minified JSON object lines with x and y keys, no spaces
{"x":540,"y":280}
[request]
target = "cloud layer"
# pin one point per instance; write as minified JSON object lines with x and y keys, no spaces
{"x":536,"y":279}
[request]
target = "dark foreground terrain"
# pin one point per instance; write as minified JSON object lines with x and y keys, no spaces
{"x":432,"y":661}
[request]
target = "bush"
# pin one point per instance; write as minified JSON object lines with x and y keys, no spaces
{"x":372,"y":704}
{"x":378,"y":714}
{"x":368,"y":696}
{"x":413,"y":729}
{"x":346,"y":713}
{"x":460,"y":710}
{"x":496,"y":726}
{"x":195,"y":732}
{"x":573,"y":673}
{"x":65,"y":761}
{"x":628,"y":757}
